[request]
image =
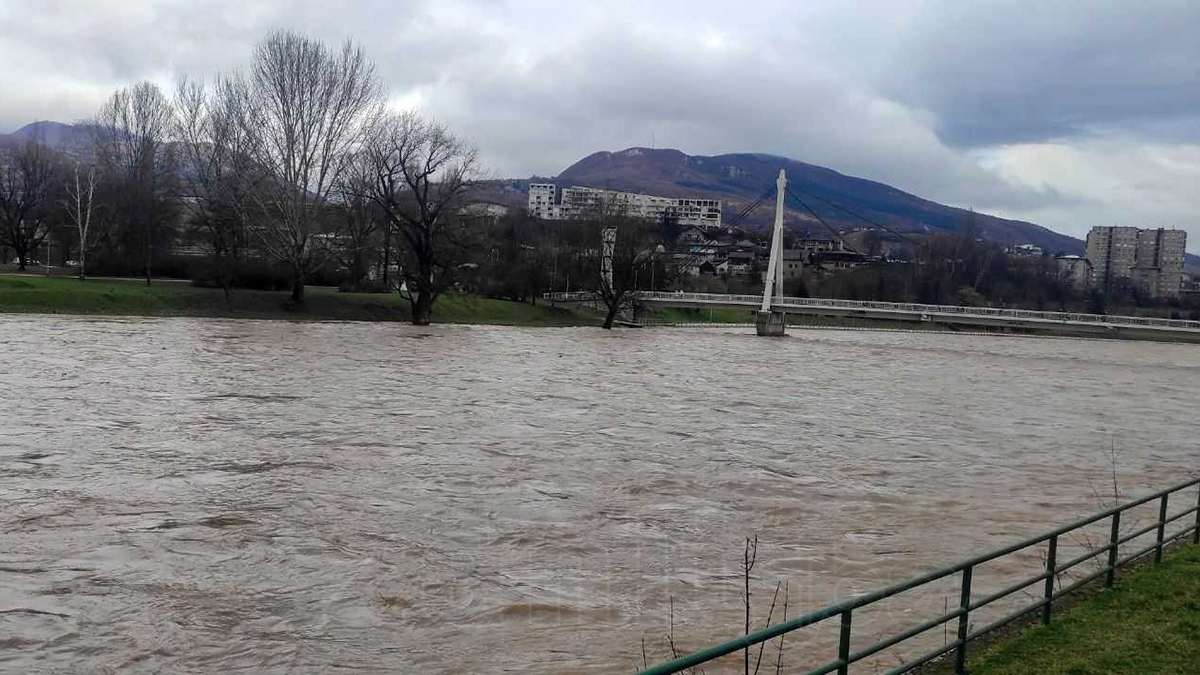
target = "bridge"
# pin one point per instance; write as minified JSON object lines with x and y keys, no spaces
{"x":988,"y":318}
{"x":1017,"y":320}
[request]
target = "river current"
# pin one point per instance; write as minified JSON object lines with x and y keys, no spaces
{"x":209,"y":496}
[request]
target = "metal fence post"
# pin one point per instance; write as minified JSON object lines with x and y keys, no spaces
{"x":1112,"y":550}
{"x":964,"y":624}
{"x":844,"y":644}
{"x":1051,"y":565}
{"x":1196,"y":534}
{"x":1162,"y":528}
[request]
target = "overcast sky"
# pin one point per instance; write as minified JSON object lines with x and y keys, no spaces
{"x":1066,"y":113}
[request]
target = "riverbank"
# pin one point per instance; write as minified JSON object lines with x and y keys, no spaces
{"x":1149,"y":623}
{"x":129,"y":297}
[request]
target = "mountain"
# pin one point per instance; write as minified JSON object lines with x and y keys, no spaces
{"x":74,"y":139}
{"x":739,"y":179}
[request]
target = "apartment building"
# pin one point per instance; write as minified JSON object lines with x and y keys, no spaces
{"x":542,"y":201}
{"x":582,"y":202}
{"x":1150,"y":260}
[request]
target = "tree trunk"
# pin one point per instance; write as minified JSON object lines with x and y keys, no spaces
{"x":387,"y":255}
{"x":298,"y":290}
{"x":22,"y":260}
{"x":611,"y":316}
{"x":422,"y":308}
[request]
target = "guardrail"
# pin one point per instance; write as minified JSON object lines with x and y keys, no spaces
{"x":844,"y":611}
{"x":1060,"y":317}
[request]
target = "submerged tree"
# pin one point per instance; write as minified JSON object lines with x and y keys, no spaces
{"x":420,"y":173}
{"x":620,"y":253}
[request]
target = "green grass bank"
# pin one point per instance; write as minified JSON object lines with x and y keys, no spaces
{"x":1148,"y":623}
{"x":128,"y":297}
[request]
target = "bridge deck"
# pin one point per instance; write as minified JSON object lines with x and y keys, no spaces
{"x":1019,"y":319}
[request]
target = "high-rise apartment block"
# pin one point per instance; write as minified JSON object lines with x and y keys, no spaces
{"x":1150,"y":260}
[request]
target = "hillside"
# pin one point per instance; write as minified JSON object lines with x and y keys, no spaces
{"x":739,"y":179}
{"x":73,"y":139}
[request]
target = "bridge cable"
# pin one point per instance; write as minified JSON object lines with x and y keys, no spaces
{"x":865,"y":219}
{"x":744,"y":213}
{"x":829,"y":227}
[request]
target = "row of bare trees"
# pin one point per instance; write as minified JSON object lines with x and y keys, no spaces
{"x":299,"y":153}
{"x":295,"y":157}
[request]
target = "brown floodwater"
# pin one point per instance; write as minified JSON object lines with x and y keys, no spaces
{"x":207,"y":496}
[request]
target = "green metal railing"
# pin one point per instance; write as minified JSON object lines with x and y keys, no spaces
{"x":967,"y":604}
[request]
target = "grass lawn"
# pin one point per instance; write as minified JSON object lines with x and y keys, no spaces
{"x":63,"y":295}
{"x":1149,"y":623}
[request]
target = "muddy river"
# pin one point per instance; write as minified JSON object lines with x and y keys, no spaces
{"x":206,"y":496}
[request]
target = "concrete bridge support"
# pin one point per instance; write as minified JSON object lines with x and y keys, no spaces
{"x":770,"y":324}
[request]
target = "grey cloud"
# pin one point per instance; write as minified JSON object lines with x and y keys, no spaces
{"x":921,"y":95}
{"x":1023,"y":71}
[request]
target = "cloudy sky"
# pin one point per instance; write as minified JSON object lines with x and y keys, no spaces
{"x":1067,"y":113}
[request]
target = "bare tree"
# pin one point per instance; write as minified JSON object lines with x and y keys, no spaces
{"x":131,"y":134}
{"x":221,"y":177}
{"x":304,"y":111}
{"x":621,"y":251}
{"x":27,"y":177}
{"x":80,"y":208}
{"x":361,"y":219}
{"x":421,"y":171}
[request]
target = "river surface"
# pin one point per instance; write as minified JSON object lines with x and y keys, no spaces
{"x":208,"y":496}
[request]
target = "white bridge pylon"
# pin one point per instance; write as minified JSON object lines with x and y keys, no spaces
{"x":774,"y":279}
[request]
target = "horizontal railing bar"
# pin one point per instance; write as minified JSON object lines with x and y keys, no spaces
{"x":1177,"y":516}
{"x":1000,"y":623}
{"x":1075,"y":586}
{"x":1130,"y":537}
{"x":1181,"y":534}
{"x":1130,"y":558}
{"x":765,"y":634}
{"x":1124,"y":507}
{"x":912,"y":632}
{"x":827,"y":668}
{"x":1081,"y":559}
{"x":906,"y":667}
{"x":1007,"y":592}
{"x":705,"y":655}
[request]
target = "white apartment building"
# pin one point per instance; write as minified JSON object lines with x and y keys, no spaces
{"x":582,"y":202}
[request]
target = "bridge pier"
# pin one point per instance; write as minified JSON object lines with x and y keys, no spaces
{"x":770,"y":324}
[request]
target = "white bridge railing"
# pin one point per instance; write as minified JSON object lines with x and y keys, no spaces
{"x":786,"y":302}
